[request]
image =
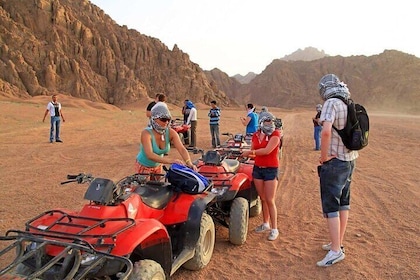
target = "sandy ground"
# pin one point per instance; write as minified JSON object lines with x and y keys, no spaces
{"x":382,"y":241}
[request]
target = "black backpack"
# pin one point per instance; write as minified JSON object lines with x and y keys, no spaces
{"x":355,"y":134}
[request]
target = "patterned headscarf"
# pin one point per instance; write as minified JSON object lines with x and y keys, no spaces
{"x":267,"y":129}
{"x":330,"y":86}
{"x":159,"y":111}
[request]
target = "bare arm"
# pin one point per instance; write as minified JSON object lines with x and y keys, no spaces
{"x":245,"y":121}
{"x":325,"y":142}
{"x":45,"y":115}
{"x":62,"y":117}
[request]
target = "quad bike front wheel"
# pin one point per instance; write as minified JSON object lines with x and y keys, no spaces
{"x":205,"y":245}
{"x":147,"y":270}
{"x":238,"y":221}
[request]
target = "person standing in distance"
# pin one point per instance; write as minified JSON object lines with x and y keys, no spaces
{"x":214,"y":115}
{"x":54,"y":109}
{"x":192,"y":120}
{"x":251,"y":120}
{"x":337,"y":166}
{"x":185,"y":114}
{"x":150,"y":106}
{"x":317,"y":128}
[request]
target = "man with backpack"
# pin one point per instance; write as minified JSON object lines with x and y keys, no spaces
{"x":337,"y":166}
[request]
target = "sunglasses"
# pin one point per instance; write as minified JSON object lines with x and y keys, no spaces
{"x":268,"y":120}
{"x":164,"y":119}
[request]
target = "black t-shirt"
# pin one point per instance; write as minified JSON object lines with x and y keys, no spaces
{"x":150,"y":106}
{"x":317,"y":116}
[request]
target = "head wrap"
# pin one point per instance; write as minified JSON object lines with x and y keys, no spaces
{"x":330,"y":86}
{"x":189,"y":104}
{"x":159,"y":111}
{"x":267,"y":129}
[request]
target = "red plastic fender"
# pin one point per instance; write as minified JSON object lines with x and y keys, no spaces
{"x":146,"y":232}
{"x":239,"y":181}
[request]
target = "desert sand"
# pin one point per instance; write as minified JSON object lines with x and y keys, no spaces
{"x":383,"y":236}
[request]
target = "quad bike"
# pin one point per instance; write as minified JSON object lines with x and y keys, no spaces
{"x":134,"y":229}
{"x":238,"y":142}
{"x":237,"y":197}
{"x":180,"y":127}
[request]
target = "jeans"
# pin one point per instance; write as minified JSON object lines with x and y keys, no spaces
{"x":55,"y":125}
{"x":214,"y":132}
{"x":317,"y":137}
{"x":335,"y":178}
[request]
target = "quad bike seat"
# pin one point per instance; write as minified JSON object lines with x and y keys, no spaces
{"x":230,"y":165}
{"x":155,"y":194}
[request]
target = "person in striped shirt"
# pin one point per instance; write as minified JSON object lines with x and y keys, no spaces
{"x":214,"y":115}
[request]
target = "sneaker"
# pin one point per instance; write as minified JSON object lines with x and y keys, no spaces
{"x":327,"y":247}
{"x":262,"y":228}
{"x":274,"y":233}
{"x":59,"y":141}
{"x":331,"y":258}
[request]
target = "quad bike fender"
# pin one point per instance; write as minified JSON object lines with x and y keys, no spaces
{"x":192,"y":225}
{"x":246,"y":169}
{"x":239,"y":182}
{"x":145,"y":233}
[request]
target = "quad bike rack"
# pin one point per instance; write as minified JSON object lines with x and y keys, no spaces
{"x":71,"y":247}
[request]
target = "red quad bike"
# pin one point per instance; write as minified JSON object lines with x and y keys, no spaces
{"x":179,"y":126}
{"x":237,"y":141}
{"x":134,"y":229}
{"x":237,"y":198}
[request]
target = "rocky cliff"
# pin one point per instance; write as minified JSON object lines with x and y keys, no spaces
{"x":386,"y":81}
{"x":74,"y":48}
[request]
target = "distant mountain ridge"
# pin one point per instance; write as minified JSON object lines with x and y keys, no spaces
{"x":307,"y":54}
{"x":245,"y":79}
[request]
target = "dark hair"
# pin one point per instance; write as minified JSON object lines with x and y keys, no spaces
{"x":213,"y":102}
{"x":162,"y":97}
{"x":249,"y":105}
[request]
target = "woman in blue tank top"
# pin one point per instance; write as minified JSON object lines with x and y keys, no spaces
{"x":155,"y":143}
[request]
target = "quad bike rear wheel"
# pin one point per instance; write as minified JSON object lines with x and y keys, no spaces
{"x":256,"y":209}
{"x":205,"y":245}
{"x":238,"y":222}
{"x":147,"y":270}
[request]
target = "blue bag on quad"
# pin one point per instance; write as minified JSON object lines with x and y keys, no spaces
{"x":185,"y":179}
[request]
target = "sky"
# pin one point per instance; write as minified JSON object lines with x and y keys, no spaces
{"x":242,"y":36}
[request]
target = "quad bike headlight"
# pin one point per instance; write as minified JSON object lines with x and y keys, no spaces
{"x":219,"y":190}
{"x":88,"y":258}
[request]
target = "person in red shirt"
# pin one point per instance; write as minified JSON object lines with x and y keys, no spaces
{"x":265,"y":148}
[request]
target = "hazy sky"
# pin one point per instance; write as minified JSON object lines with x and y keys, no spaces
{"x":241,"y":36}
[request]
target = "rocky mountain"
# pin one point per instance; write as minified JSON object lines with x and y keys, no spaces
{"x":74,"y":48}
{"x":245,"y":79}
{"x":387,"y":81}
{"x":307,"y":54}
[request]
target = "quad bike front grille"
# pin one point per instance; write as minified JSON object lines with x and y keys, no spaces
{"x":68,"y":263}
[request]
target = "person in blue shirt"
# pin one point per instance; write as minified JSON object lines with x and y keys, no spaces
{"x":155,"y":143}
{"x":251,"y":120}
{"x":214,"y":115}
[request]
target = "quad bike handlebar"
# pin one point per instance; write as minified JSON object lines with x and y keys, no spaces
{"x":79,"y":178}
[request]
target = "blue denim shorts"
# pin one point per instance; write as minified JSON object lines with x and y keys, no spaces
{"x":265,"y":174}
{"x":335,"y":178}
